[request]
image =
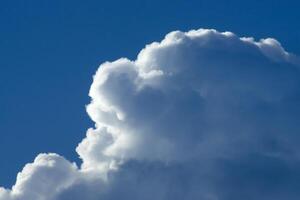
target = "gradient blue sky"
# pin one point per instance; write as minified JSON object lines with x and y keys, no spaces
{"x":49,"y":50}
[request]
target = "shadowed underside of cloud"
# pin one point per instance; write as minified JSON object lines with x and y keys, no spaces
{"x":200,"y":115}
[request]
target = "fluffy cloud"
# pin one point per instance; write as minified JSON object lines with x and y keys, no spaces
{"x":200,"y":115}
{"x":42,"y":179}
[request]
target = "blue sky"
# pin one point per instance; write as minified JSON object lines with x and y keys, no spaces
{"x":49,"y":51}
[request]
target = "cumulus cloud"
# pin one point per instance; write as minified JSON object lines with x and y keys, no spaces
{"x":200,"y":115}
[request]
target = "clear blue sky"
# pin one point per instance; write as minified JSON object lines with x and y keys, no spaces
{"x":49,"y":50}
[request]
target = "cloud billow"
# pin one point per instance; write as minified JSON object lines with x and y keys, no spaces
{"x":200,"y":115}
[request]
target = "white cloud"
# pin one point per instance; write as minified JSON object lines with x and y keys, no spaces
{"x":193,"y":117}
{"x":43,"y":179}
